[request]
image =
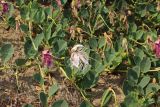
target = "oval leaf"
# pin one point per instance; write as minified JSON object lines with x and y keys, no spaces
{"x":144,"y":81}
{"x":85,"y":104}
{"x":106,"y":98}
{"x":7,"y":51}
{"x":43,"y":99}
{"x":145,"y":65}
{"x":53,"y":89}
{"x":60,"y":103}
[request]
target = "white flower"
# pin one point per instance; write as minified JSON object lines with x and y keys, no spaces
{"x":79,"y":58}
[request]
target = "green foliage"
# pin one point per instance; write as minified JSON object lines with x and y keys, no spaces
{"x":138,"y":84}
{"x":60,"y":103}
{"x":145,"y":65}
{"x":39,"y":78}
{"x":53,"y":89}
{"x":6,"y":52}
{"x":144,"y":81}
{"x":101,"y":27}
{"x":59,"y":47}
{"x":29,"y":50}
{"x":132,"y":100}
{"x":85,"y":104}
{"x":43,"y":99}
{"x":37,"y":41}
{"x":106,"y":98}
{"x":20,"y":62}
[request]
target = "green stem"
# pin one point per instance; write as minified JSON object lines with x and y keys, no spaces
{"x":42,"y":75}
{"x":52,"y":20}
{"x":30,"y":35}
{"x":106,"y":23}
{"x":81,"y":91}
{"x":115,"y":98}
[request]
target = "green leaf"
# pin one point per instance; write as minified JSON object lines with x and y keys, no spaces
{"x":62,"y":45}
{"x":39,"y":78}
{"x":132,"y":100}
{"x":88,"y":81}
{"x":85,"y":104}
{"x":53,"y":89}
{"x":110,"y":55}
{"x":24,"y":27}
{"x":133,"y":74}
{"x":63,"y":2}
{"x":29,"y":51}
{"x":20,"y":62}
{"x":139,"y":34}
{"x":33,"y":13}
{"x":151,"y":7}
{"x":19,"y":2}
{"x":12,"y":22}
{"x":59,"y":47}
{"x":11,"y":10}
{"x":55,"y":13}
{"x":144,"y":81}
{"x":158,"y":18}
{"x":139,"y":54}
{"x":84,"y":71}
{"x":24,"y":12}
{"x":95,"y":59}
{"x":93,"y":43}
{"x":152,"y":88}
{"x":107,"y":95}
{"x":101,"y":42}
{"x":132,"y":27}
{"x":127,"y":87}
{"x":38,"y":40}
{"x":7,"y":51}
{"x":99,"y":68}
{"x":145,"y":65}
{"x":142,"y":10}
{"x":60,"y":103}
{"x":48,"y":11}
{"x":47,"y":33}
{"x":43,"y":99}
{"x":39,"y":16}
{"x":28,"y":105}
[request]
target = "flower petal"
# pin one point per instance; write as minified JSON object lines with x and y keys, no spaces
{"x":75,"y":60}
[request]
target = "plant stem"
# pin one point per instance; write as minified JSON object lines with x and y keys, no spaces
{"x":52,"y":20}
{"x":42,"y":75}
{"x":106,"y":23}
{"x":81,"y":91}
{"x":114,"y":95}
{"x":30,"y":35}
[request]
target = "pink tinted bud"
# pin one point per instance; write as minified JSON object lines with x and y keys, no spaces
{"x":78,"y":3}
{"x":156,"y":48}
{"x":59,"y":3}
{"x":4,"y":7}
{"x":47,"y":59}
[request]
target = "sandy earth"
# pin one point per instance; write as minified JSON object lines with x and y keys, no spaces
{"x":28,"y":91}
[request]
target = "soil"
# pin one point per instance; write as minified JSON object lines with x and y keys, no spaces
{"x":28,"y":89}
